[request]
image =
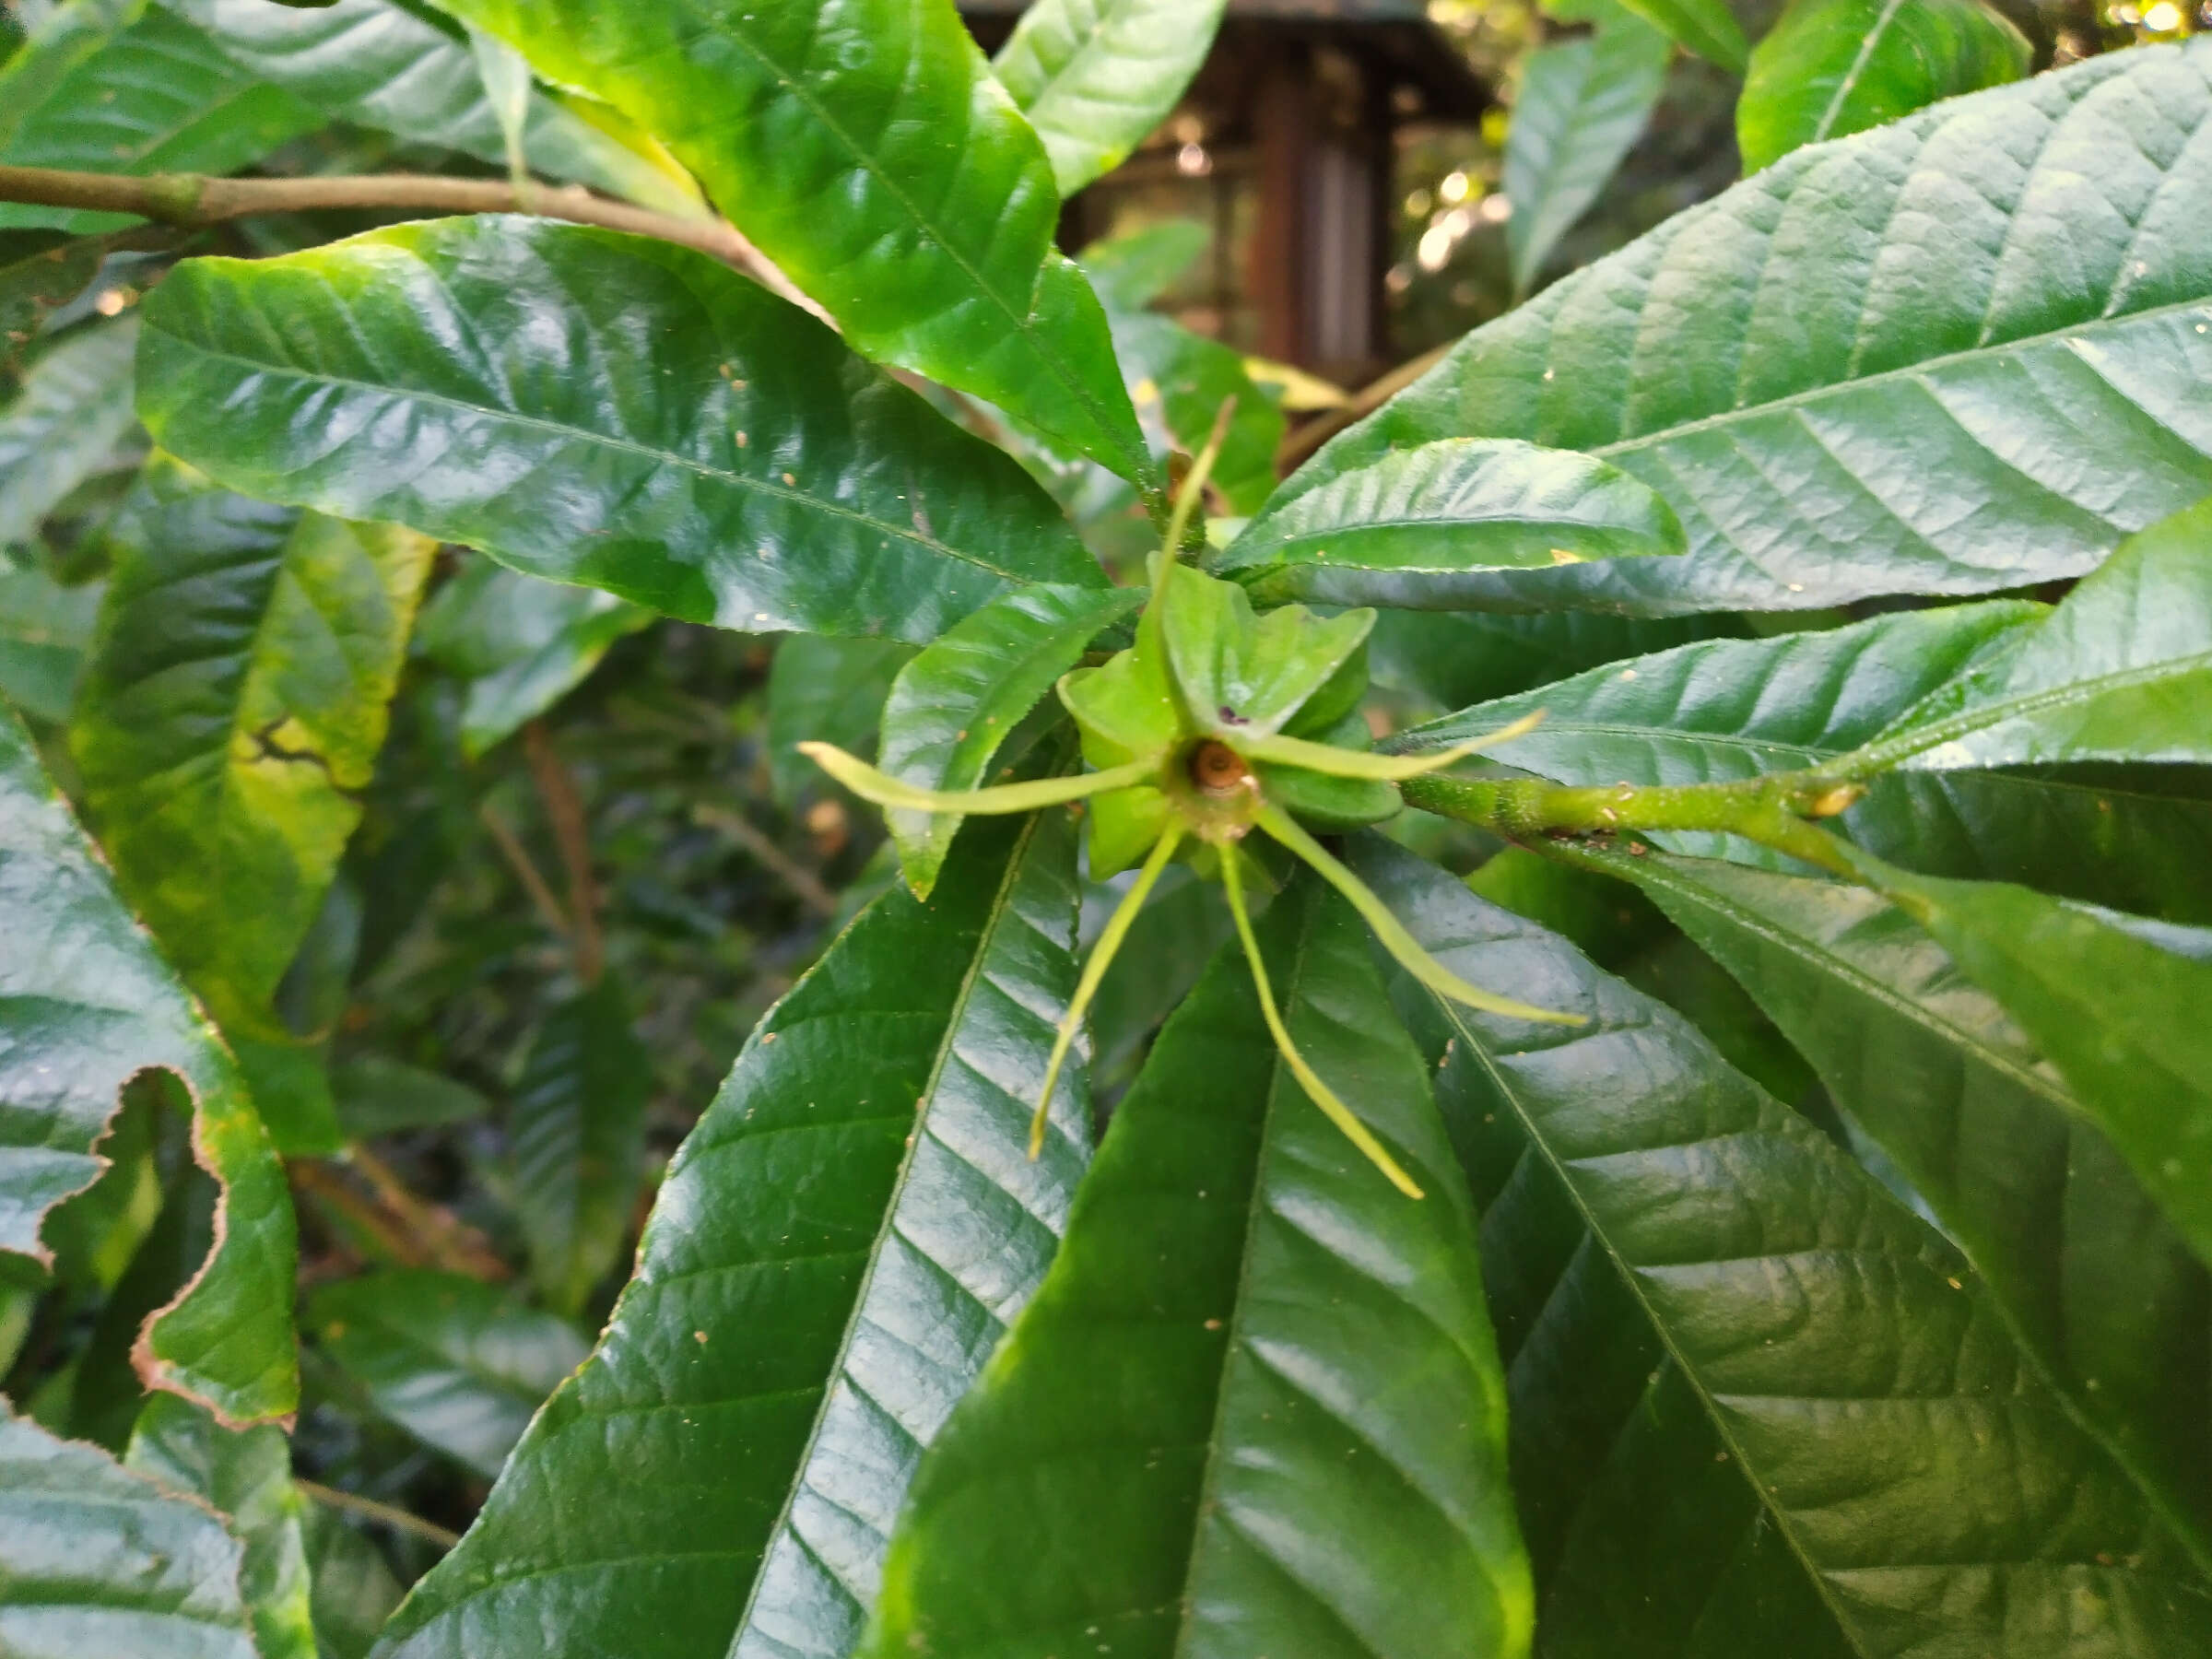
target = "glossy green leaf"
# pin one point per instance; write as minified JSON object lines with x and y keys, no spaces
{"x":377,"y":1095}
{"x":721,"y":456}
{"x":521,"y":643}
{"x":1923,"y":359}
{"x":836,"y":1250}
{"x":233,"y":708}
{"x":66,"y":421}
{"x":379,"y":64}
{"x":89,"y":1005}
{"x":39,"y":270}
{"x":952,"y":707}
{"x":1833,"y":67}
{"x":458,"y":1363}
{"x":1582,"y":106}
{"x":44,"y":51}
{"x":1132,"y":270}
{"x":1450,"y":659}
{"x":830,"y":690}
{"x":867,"y":149}
{"x":1733,"y":710}
{"x":160,"y":97}
{"x":2116,"y":1004}
{"x":1705,"y":26}
{"x":1255,"y":1407}
{"x":2121,"y":670}
{"x":44,"y":629}
{"x":2097,"y":1286}
{"x":577,"y":1128}
{"x":102,"y":1561}
{"x":1095,"y":77}
{"x":1179,"y":382}
{"x":246,"y":1476}
{"x":1756,"y":1403}
{"x":354,"y":1590}
{"x":1432,"y":528}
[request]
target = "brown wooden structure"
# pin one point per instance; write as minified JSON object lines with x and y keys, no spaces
{"x":1285,"y":147}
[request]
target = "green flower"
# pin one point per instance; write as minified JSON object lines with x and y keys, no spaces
{"x":1216,"y":722}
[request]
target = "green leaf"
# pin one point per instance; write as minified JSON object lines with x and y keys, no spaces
{"x":376,"y":1095}
{"x":1095,"y":77}
{"x":1431,"y":528}
{"x":1255,"y":1407}
{"x":1132,"y":270}
{"x":1756,"y":1403}
{"x":231,"y":712}
{"x":65,"y":423}
{"x":1833,"y":67}
{"x":99,"y":1560}
{"x":44,"y":629}
{"x":379,"y":64}
{"x":2114,"y":1001}
{"x":39,"y":270}
{"x":1705,"y":26}
{"x":458,"y":1363}
{"x":1169,"y":944}
{"x":1582,"y":106}
{"x":52,"y":48}
{"x":836,"y":1250}
{"x":1873,"y":369}
{"x":2121,"y":670}
{"x":1724,"y":710}
{"x":1178,"y":382}
{"x":160,"y":97}
{"x":1734,"y":710}
{"x":577,"y":1127}
{"x":89,"y":1006}
{"x":521,"y":643}
{"x":1452,"y":658}
{"x":354,"y":1589}
{"x":827,"y":691}
{"x":2097,"y":1287}
{"x":951,"y":708}
{"x":725,"y":458}
{"x":867,"y":150}
{"x":247,"y":1477}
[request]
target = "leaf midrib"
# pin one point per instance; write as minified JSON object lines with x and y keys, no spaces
{"x":1000,"y":909}
{"x":627,"y":445}
{"x":1024,"y":322}
{"x":1850,"y":83}
{"x":1253,"y":1208}
{"x":1885,"y":752}
{"x":1784,"y":1523}
{"x":1903,"y":373}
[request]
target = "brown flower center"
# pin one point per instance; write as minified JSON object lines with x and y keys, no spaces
{"x":1218,"y":769}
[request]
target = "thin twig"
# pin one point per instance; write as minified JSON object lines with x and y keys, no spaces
{"x":1301,"y":443}
{"x":518,"y":860}
{"x":322,"y":1182}
{"x":796,"y":877}
{"x":450,"y":1242}
{"x":192,"y":200}
{"x":564,"y":808}
{"x":369,"y":1508}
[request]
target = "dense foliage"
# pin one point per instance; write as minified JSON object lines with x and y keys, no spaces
{"x":1578,"y":1029}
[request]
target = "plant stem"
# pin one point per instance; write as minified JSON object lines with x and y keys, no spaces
{"x":1773,"y":811}
{"x":369,"y":1508}
{"x":564,"y":808}
{"x":192,"y":200}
